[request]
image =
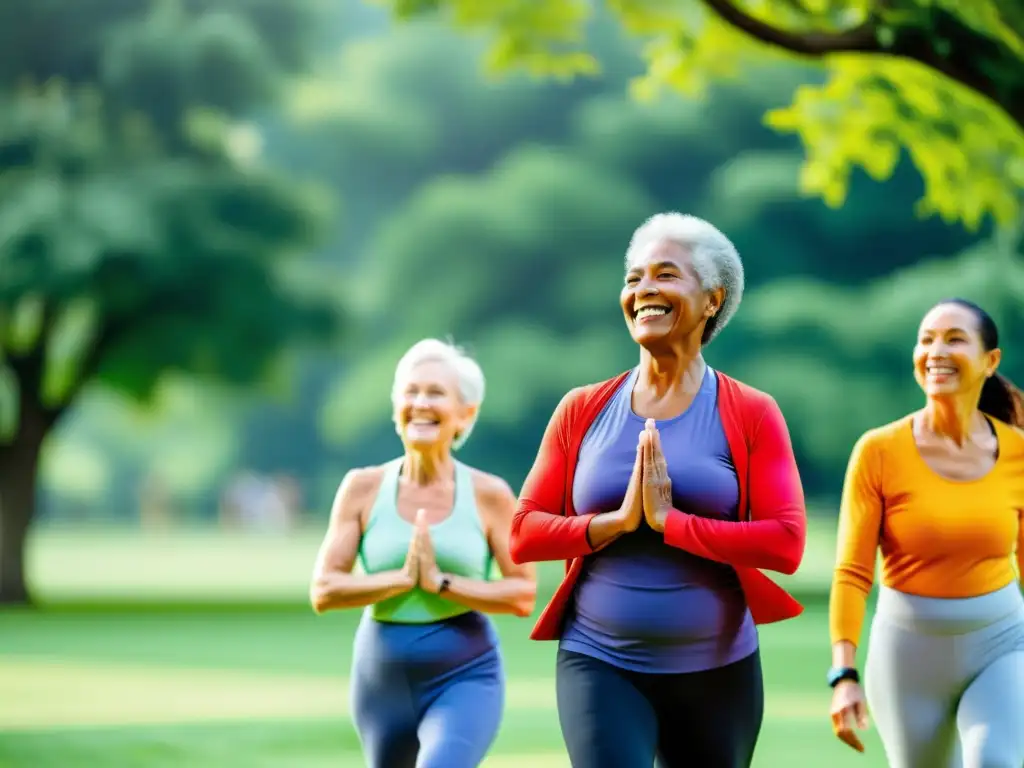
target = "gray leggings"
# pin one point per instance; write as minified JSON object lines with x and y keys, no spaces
{"x":945,"y":679}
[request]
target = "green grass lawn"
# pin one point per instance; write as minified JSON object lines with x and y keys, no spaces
{"x":196,"y":650}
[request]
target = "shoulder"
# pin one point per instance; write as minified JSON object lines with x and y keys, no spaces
{"x":579,"y":399}
{"x":579,"y":396}
{"x":745,"y":396}
{"x":1011,"y":436}
{"x":360,"y":483}
{"x":753,"y":407}
{"x":886,"y":434}
{"x":876,"y":442}
{"x":490,"y":490}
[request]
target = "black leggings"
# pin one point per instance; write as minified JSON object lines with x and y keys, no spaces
{"x":614,"y":718}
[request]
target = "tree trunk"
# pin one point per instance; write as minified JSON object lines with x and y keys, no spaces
{"x":19,"y":463}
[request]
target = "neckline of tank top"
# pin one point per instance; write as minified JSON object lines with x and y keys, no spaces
{"x":702,"y":391}
{"x":461,"y":476}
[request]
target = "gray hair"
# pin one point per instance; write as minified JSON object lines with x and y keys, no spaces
{"x":715,"y":259}
{"x":468,"y":372}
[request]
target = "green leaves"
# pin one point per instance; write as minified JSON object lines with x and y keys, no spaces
{"x":139,"y":231}
{"x":968,"y":153}
{"x":968,"y":148}
{"x":542,"y":38}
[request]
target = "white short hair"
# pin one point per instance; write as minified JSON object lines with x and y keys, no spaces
{"x":715,"y":258}
{"x":467,"y":371}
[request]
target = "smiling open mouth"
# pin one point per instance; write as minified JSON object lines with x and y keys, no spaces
{"x":650,"y":311}
{"x":940,"y":370}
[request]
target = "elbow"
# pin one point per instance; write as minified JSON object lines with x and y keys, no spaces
{"x":319,"y":597}
{"x":515,"y":550}
{"x":790,"y":563}
{"x":524,"y":606}
{"x":518,"y":546}
{"x":523,"y":609}
{"x":519,"y":554}
{"x":318,"y":603}
{"x":527,"y":602}
{"x":794,"y":546}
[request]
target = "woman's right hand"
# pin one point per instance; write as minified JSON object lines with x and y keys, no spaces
{"x":411,"y":567}
{"x":632,"y":509}
{"x":849,"y":713}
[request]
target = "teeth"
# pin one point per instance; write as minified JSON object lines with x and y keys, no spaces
{"x":651,"y":312}
{"x":941,"y":370}
{"x":423,"y":422}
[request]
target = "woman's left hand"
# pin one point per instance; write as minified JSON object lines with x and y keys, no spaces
{"x":657,"y":487}
{"x":430,"y":574}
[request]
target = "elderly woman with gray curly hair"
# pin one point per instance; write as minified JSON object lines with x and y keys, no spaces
{"x":667,"y":490}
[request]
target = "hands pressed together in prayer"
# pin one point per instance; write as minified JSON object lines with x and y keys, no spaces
{"x":649,"y":494}
{"x":420,"y":566}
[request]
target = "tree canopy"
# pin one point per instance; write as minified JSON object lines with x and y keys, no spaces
{"x":939,"y":80}
{"x":140,"y":231}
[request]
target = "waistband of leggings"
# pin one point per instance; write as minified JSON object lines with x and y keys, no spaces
{"x":950,"y":616}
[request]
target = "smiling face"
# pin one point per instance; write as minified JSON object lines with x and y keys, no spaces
{"x":429,"y":410}
{"x":663,"y":299}
{"x":950,"y":358}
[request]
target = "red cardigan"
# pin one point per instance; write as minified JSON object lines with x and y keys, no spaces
{"x":771,"y":533}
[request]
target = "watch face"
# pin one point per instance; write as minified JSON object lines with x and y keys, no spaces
{"x":836,"y":675}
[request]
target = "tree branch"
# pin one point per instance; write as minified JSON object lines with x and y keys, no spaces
{"x":111,"y":334}
{"x":949,"y":47}
{"x":859,"y":39}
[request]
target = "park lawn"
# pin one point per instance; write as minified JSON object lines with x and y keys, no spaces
{"x":105,"y":677}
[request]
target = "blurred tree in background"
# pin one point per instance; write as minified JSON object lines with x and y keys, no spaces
{"x":942,"y":80}
{"x":140,"y":232}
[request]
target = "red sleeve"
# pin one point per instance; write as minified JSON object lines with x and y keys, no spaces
{"x":540,"y":528}
{"x":775,"y":536}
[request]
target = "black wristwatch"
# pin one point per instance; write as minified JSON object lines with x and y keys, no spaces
{"x":836,"y":675}
{"x":443,"y":586}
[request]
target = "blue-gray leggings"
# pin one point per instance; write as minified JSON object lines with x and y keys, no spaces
{"x":945,"y":679}
{"x":427,"y":695}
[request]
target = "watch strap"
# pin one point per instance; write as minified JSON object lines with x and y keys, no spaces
{"x":836,"y":675}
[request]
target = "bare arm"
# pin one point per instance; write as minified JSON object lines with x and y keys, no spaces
{"x":334,"y":585}
{"x":608,"y":528}
{"x":516,"y":592}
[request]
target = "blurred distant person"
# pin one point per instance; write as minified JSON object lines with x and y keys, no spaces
{"x":941,"y":492}
{"x":156,"y":504}
{"x":428,"y":685}
{"x":253,"y":502}
{"x":665,"y":489}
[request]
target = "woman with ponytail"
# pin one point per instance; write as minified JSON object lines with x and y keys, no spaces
{"x":941,"y":493}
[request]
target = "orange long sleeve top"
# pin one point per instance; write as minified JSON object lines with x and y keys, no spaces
{"x":939,"y":537}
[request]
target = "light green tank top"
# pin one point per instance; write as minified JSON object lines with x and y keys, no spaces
{"x":460,"y":548}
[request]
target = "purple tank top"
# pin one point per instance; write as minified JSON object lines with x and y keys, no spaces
{"x":641,"y":604}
